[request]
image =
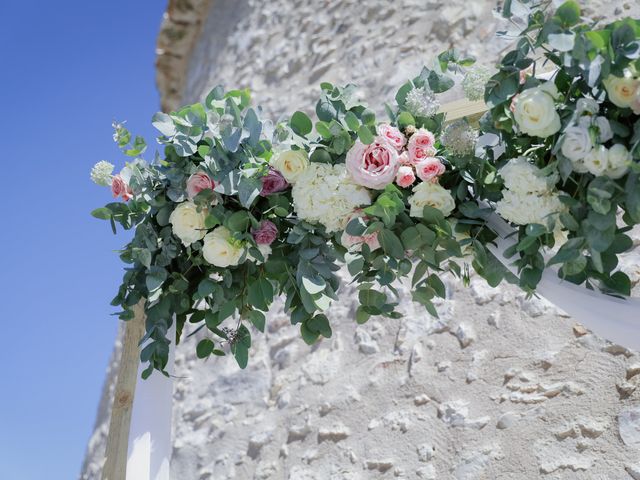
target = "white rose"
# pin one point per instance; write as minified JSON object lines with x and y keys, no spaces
{"x":576,"y":145}
{"x":291,"y":164}
{"x":535,"y":111}
{"x":604,"y":129}
{"x":597,"y":161}
{"x":433,"y":195}
{"x":621,"y":90}
{"x":586,"y":106}
{"x":220,"y":249}
{"x":187,"y":223}
{"x":619,"y":161}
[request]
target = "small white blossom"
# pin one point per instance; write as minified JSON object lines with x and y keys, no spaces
{"x":459,"y":138}
{"x":101,"y":173}
{"x":474,"y":82}
{"x":422,"y":102}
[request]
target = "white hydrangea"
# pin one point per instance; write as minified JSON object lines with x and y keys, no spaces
{"x":325,"y":194}
{"x":521,"y":176}
{"x":422,"y":102}
{"x":530,"y":196}
{"x":459,"y":138}
{"x":474,"y":82}
{"x":101,"y":173}
{"x":524,"y":208}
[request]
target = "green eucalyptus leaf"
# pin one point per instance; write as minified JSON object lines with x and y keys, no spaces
{"x":301,"y":124}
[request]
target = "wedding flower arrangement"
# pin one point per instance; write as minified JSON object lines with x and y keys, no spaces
{"x":565,"y":167}
{"x":237,"y":210}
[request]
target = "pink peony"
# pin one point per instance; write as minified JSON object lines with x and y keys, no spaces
{"x":392,"y":135}
{"x":354,"y":242}
{"x":266,"y":233}
{"x":421,"y":146}
{"x":273,"y":182}
{"x":405,"y":176}
{"x":430,"y":169}
{"x":372,"y":166}
{"x":120,"y":188}
{"x":197,"y":182}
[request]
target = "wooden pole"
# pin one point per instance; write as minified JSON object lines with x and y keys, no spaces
{"x":118,"y":438}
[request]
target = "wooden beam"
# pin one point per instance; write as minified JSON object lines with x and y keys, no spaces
{"x":115,"y":465}
{"x":464,"y":108}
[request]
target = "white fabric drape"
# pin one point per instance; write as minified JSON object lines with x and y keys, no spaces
{"x":150,"y":442}
{"x":616,"y":319}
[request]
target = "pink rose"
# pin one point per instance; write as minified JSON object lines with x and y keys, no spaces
{"x":273,"y":182}
{"x":403,"y":159}
{"x":354,"y":242}
{"x":421,"y":146}
{"x":635,"y":103}
{"x":512,"y":105}
{"x":120,"y":188}
{"x":405,"y":176}
{"x":392,"y":135}
{"x":523,"y":77}
{"x":266,"y":233}
{"x":430,"y":169}
{"x":197,"y":182}
{"x":372,"y":166}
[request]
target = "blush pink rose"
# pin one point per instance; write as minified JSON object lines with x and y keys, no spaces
{"x":421,"y":146}
{"x":430,"y":169}
{"x":523,"y":77}
{"x":405,"y":176}
{"x":197,"y":182}
{"x":120,"y":188}
{"x":266,"y":233}
{"x":372,"y":166}
{"x":403,"y":159}
{"x":392,"y":135}
{"x":355,"y":242}
{"x":273,"y":182}
{"x":512,"y":105}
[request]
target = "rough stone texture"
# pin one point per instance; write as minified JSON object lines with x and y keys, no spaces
{"x":500,"y":387}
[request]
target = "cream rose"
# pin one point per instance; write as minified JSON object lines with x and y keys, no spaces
{"x":291,"y":164}
{"x":433,"y":195}
{"x":188,"y":223}
{"x":220,"y":249}
{"x":621,"y":90}
{"x":597,"y":161}
{"x":619,"y":160}
{"x":576,"y":145}
{"x":535,"y":112}
{"x":604,"y":129}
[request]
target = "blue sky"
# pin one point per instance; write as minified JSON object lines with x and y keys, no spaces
{"x":67,"y":70}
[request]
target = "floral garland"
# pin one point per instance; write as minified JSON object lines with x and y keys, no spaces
{"x":239,"y":211}
{"x":565,"y":168}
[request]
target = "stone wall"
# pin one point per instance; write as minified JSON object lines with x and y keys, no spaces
{"x":499,"y":387}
